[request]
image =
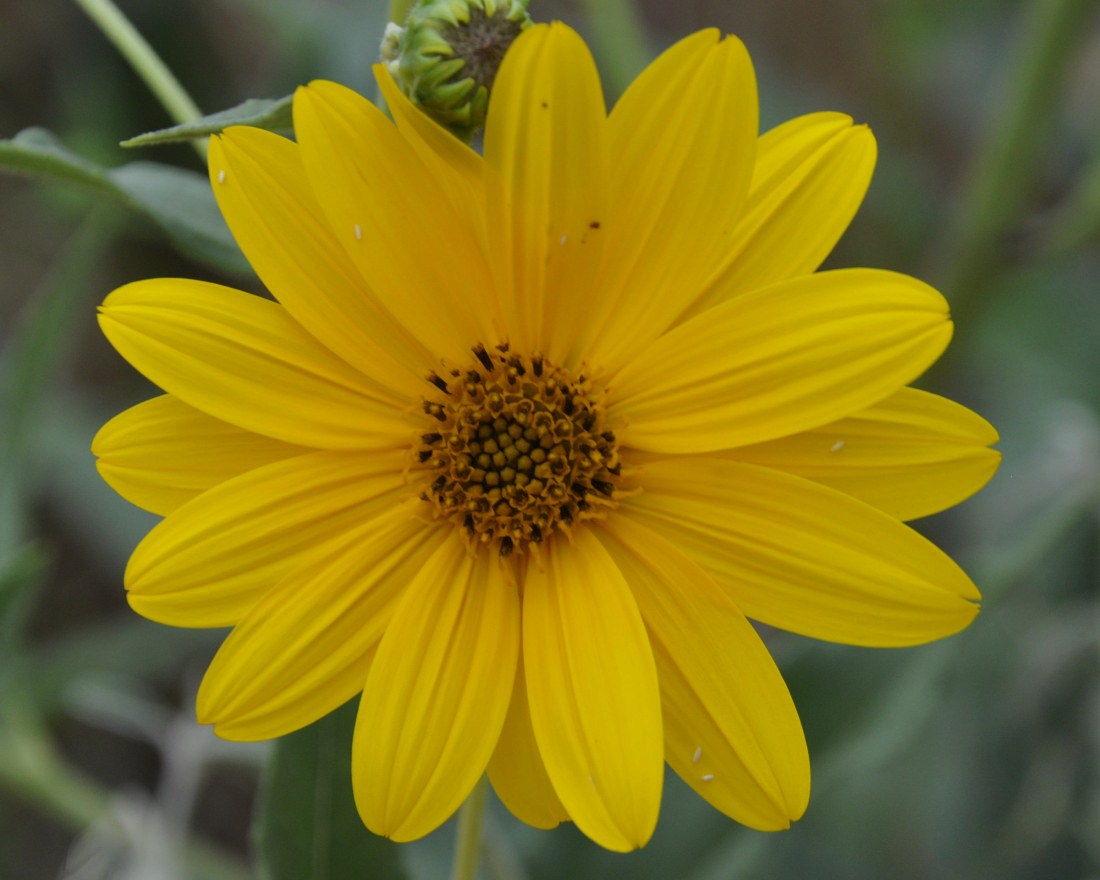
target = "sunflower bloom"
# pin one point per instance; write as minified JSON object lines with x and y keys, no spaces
{"x":525,"y":439}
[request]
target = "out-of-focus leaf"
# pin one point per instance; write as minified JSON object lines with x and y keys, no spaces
{"x":122,"y":647}
{"x":178,"y":201}
{"x":274,"y":114}
{"x":181,"y":203}
{"x":19,"y":573}
{"x":307,"y":826}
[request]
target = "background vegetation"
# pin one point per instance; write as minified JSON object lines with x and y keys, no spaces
{"x":973,"y":758}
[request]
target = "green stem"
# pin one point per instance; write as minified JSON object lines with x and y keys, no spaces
{"x":618,"y":40}
{"x":471,"y":816}
{"x":1005,"y":166}
{"x":399,"y":10}
{"x":146,"y":63}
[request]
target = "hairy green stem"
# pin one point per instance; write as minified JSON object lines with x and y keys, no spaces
{"x":146,"y":63}
{"x":471,"y":816}
{"x":1005,"y":167}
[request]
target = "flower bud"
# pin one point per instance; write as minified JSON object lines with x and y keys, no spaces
{"x":446,"y":56}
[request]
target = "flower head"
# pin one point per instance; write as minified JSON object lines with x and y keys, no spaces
{"x":524,"y":440}
{"x":447,"y":54}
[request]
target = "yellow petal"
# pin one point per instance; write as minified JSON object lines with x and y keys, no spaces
{"x":545,"y":156}
{"x":683,"y":141}
{"x":516,"y":769}
{"x":306,"y":647}
{"x":162,"y":453}
{"x":810,"y":178}
{"x":262,"y":190}
{"x":457,"y":168}
{"x":803,"y":557}
{"x":437,"y":693}
{"x":911,"y":455}
{"x":592,"y":685}
{"x":731,"y":729}
{"x":210,"y":561}
{"x":244,"y":360}
{"x":413,"y":247}
{"x":779,"y":360}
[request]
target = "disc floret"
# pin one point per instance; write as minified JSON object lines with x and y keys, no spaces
{"x":517,"y":450}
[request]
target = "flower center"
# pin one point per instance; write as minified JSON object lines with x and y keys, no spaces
{"x":481,"y":42}
{"x":518,"y":450}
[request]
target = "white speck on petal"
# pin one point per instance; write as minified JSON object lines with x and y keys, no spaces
{"x":358,"y":233}
{"x":221,"y":175}
{"x":592,"y":781}
{"x":563,"y":239}
{"x":698,"y":754}
{"x":707,"y":777}
{"x":836,"y":447}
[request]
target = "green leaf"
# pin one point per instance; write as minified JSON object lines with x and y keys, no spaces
{"x":307,"y":825}
{"x":269,"y":113}
{"x":180,"y":202}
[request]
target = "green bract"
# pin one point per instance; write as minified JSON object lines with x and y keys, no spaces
{"x":446,"y":56}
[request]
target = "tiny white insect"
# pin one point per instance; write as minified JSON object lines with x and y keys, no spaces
{"x":358,"y":233}
{"x":221,"y":175}
{"x":836,"y":447}
{"x":707,"y":777}
{"x":698,"y":754}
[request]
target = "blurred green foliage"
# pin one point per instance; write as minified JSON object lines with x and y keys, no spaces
{"x":974,"y":758}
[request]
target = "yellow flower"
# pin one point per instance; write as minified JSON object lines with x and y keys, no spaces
{"x":524,"y":439}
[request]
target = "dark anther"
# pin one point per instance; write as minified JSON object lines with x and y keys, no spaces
{"x":604,"y":487}
{"x":616,"y":469}
{"x":608,"y":436}
{"x":567,"y":407}
{"x":424,"y":455}
{"x":437,"y":382}
{"x":503,"y":348}
{"x":567,"y":515}
{"x":579,"y":490}
{"x":516,"y":364}
{"x":582,"y":505}
{"x":473,"y":377}
{"x":536,"y":534}
{"x":439,"y":483}
{"x":468,"y":522}
{"x":433,"y":437}
{"x":536,"y":363}
{"x":483,"y":356}
{"x":505,"y":548}
{"x":595,"y":224}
